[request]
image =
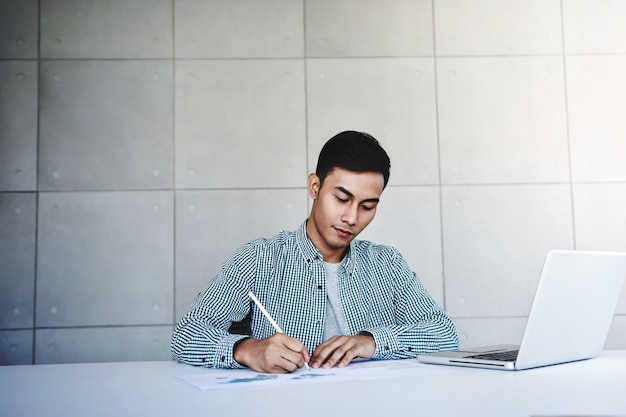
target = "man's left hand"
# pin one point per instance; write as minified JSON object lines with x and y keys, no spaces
{"x":340,"y":350}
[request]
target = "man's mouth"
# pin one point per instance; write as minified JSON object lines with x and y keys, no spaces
{"x":343,"y":233}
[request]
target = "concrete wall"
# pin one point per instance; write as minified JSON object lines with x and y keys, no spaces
{"x":142,"y":141}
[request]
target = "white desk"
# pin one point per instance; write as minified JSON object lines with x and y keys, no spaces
{"x":593,"y":387}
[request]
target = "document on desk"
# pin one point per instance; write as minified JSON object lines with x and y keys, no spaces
{"x":231,"y":379}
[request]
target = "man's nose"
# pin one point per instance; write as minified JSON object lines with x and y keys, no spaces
{"x":350,"y":214}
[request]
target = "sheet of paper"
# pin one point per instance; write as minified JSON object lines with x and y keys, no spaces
{"x":228,"y":379}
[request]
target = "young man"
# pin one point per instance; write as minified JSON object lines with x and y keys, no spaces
{"x":335,"y":298}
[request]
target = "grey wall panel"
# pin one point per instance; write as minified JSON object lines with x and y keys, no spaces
{"x":241,"y":29}
{"x":591,"y":27}
{"x":106,"y":125}
{"x":369,"y":28}
{"x":596,"y":91}
{"x":18,"y":214}
{"x":600,"y":223}
{"x":240,"y":123}
{"x":106,"y":29}
{"x":18,"y":125}
{"x":108,"y":344}
{"x":18,"y":29}
{"x":500,"y":27}
{"x":16,"y":347}
{"x":599,"y":214}
{"x":105,"y":258}
{"x":392,"y":99}
{"x":210,"y":225}
{"x":495,"y":239}
{"x":526,"y":142}
{"x":489,"y":331}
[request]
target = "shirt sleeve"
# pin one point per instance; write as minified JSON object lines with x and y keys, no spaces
{"x":195,"y":343}
{"x":420,"y":326}
{"x":201,"y":337}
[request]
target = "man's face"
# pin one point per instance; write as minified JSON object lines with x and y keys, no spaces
{"x":342,"y":208}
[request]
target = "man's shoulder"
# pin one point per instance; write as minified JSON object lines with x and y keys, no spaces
{"x":366,"y":248}
{"x":283,"y":239}
{"x":383,"y":262}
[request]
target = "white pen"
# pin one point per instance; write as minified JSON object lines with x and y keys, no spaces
{"x":269,"y":318}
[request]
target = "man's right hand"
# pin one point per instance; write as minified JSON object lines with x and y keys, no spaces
{"x":278,"y":353}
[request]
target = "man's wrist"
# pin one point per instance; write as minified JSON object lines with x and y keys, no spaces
{"x":238,"y":352}
{"x":371,"y":350}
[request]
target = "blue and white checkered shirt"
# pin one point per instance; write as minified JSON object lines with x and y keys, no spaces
{"x":379,"y":293}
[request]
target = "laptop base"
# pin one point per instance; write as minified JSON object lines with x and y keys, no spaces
{"x":464,"y":357}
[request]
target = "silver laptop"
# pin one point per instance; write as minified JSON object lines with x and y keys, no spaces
{"x":569,"y":318}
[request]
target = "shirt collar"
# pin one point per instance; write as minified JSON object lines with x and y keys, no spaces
{"x":310,"y":252}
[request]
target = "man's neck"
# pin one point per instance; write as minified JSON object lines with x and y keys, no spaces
{"x":330,"y":255}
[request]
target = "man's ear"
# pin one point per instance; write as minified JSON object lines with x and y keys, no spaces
{"x":314,"y":185}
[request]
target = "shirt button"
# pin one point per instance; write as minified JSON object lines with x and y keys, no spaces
{"x":319,"y":287}
{"x":223,"y":358}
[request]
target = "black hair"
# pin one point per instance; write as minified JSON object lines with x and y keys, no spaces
{"x":354,"y":151}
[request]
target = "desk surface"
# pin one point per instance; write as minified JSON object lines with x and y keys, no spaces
{"x":593,"y":387}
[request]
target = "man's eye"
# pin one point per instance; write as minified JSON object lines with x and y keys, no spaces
{"x":368,"y":208}
{"x":343,"y":200}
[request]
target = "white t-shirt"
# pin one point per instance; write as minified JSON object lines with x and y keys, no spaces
{"x":335,"y":323}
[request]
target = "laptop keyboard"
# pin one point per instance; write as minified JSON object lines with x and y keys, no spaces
{"x":505,"y":355}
